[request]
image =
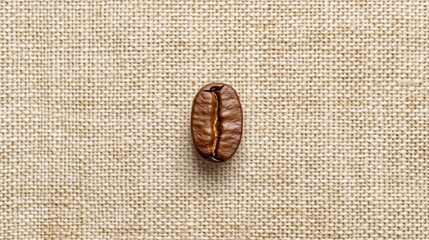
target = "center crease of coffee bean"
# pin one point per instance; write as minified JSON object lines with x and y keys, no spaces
{"x":216,"y":122}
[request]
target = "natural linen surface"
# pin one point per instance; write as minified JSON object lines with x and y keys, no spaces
{"x":95,"y":101}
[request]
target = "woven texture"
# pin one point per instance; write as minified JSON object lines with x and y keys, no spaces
{"x":95,"y":100}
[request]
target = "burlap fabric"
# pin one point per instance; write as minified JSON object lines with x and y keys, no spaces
{"x":95,"y":100}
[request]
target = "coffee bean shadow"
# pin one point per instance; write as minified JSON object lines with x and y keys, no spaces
{"x":208,"y":167}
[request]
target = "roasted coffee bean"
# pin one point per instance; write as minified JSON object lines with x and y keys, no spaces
{"x":216,"y":122}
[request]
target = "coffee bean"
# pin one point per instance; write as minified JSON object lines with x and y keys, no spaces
{"x":216,"y":122}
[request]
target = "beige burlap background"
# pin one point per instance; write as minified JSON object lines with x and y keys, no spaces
{"x":95,"y":101}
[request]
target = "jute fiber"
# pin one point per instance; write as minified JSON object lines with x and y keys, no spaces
{"x":95,"y":100}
